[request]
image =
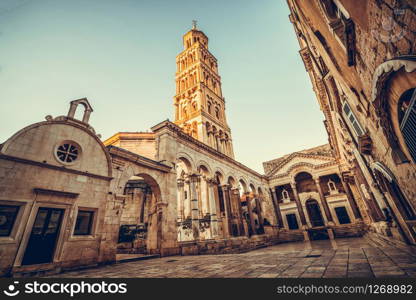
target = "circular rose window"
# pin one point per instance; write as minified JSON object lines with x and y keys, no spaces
{"x":67,"y":152}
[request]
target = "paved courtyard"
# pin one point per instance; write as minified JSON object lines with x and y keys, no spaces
{"x":353,"y":257}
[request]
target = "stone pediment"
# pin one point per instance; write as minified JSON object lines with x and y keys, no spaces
{"x":313,"y":161}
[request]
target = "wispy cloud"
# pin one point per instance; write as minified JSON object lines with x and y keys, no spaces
{"x":9,"y":6}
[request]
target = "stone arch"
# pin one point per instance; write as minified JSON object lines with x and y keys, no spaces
{"x":155,"y":231}
{"x":220,"y":173}
{"x":217,"y":112}
{"x":185,"y":162}
{"x":390,"y":80}
{"x":390,"y":186}
{"x":209,"y":108}
{"x":295,"y":169}
{"x":252,"y":188}
{"x":305,"y":182}
{"x":87,"y":109}
{"x":242,"y":183}
{"x":155,"y":205}
{"x":205,"y":165}
{"x":232,"y":182}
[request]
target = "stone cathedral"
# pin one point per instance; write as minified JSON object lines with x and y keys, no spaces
{"x":176,"y":190}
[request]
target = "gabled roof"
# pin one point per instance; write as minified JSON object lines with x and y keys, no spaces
{"x":316,"y":156}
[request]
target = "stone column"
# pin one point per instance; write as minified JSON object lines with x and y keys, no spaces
{"x":181,"y":199}
{"x":139,"y":197}
{"x":200,"y":196}
{"x":259,"y":212}
{"x":194,"y":179}
{"x":276,"y":206}
{"x":351,"y":199}
{"x":239,"y":211}
{"x":72,"y":110}
{"x":213,"y":208}
{"x":206,"y":199}
{"x":187,"y":201}
{"x":323,"y":201}
{"x":143,"y":203}
{"x":87,"y":114}
{"x":250,"y":213}
{"x":298,"y":204}
{"x":227,"y":209}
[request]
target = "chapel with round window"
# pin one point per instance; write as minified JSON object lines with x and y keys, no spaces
{"x":68,"y":152}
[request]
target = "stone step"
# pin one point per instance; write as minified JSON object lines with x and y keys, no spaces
{"x":382,"y":242}
{"x":123,"y":258}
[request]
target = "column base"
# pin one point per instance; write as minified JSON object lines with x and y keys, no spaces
{"x":306,"y":236}
{"x":330,"y":234}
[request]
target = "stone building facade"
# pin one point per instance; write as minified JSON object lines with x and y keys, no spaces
{"x":68,"y":199}
{"x":311,"y":198}
{"x":360,"y":56}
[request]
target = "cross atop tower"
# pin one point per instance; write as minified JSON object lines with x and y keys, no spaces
{"x":194,"y":24}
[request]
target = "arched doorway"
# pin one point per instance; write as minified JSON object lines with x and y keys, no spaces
{"x":305,"y":183}
{"x":314,"y":213}
{"x":400,"y":210}
{"x":141,"y":219}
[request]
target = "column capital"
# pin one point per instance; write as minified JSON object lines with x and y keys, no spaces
{"x":235,"y":191}
{"x":225,"y":186}
{"x":180,"y":181}
{"x":194,"y":177}
{"x":317,"y":179}
{"x":293,"y":185}
{"x":211,"y":181}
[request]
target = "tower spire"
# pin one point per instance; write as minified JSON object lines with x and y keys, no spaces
{"x":194,"y":24}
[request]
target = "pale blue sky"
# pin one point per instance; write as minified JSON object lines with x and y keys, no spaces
{"x":121,"y":56}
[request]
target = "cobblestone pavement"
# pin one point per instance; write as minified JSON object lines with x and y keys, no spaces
{"x":353,"y":257}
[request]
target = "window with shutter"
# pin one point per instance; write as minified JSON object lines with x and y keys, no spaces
{"x":352,"y":120}
{"x":407,"y":119}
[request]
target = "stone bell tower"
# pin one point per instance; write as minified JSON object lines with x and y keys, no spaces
{"x":199,"y":104}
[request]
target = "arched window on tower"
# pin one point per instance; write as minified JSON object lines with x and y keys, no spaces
{"x":217,"y":112}
{"x":209,"y":107}
{"x":185,"y":112}
{"x":208,"y":132}
{"x":226,"y":144}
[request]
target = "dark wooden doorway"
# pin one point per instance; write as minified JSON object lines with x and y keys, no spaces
{"x":292,"y":222}
{"x":314,"y":212}
{"x":45,"y":231}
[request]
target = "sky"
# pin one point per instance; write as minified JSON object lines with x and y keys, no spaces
{"x":121,"y":56}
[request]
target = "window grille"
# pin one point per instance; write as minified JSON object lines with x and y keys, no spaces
{"x":408,"y":126}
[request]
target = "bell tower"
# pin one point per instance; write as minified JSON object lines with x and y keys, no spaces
{"x":199,"y":104}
